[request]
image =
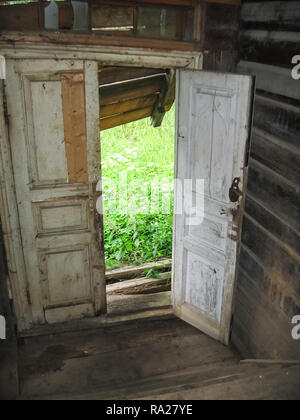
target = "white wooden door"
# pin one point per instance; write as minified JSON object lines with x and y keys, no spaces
{"x":213,"y":118}
{"x":53,"y":109}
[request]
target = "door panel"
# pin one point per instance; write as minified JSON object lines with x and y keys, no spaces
{"x":54,"y":112}
{"x":213,"y":116}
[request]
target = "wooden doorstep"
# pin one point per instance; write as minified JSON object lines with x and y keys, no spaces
{"x":122,"y":306}
{"x":141,"y":286}
{"x":99,"y":323}
{"x":121,"y":310}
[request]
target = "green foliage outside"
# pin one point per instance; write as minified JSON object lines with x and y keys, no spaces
{"x":146,"y":155}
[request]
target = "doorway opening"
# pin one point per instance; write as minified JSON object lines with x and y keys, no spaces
{"x":137,"y":159}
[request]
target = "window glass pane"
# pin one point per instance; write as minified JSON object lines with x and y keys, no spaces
{"x":154,"y":22}
{"x":112,"y":19}
{"x":188,"y":25}
{"x":81,"y":15}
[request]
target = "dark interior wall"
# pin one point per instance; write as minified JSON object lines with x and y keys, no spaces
{"x":220,"y":37}
{"x":9,"y":384}
{"x":268,"y":287}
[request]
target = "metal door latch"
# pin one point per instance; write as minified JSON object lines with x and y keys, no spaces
{"x":235,"y":193}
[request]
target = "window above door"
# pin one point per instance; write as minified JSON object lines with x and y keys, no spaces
{"x":161,"y":24}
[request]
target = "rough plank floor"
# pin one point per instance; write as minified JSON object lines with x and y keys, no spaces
{"x":145,"y":359}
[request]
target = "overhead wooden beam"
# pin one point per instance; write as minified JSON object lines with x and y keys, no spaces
{"x":108,"y":75}
{"x":92,"y":39}
{"x":128,"y":105}
{"x":131,"y":90}
{"x":165,"y":100}
{"x":184,"y":3}
{"x":232,"y":2}
{"x":125,"y":118}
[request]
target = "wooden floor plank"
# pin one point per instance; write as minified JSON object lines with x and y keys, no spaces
{"x":67,"y":364}
{"x":161,"y":359}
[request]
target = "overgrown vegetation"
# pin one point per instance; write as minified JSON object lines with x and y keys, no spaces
{"x":145,"y":156}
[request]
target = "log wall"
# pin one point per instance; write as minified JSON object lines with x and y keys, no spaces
{"x":268,"y":289}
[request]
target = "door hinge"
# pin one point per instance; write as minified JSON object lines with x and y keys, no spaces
{"x":6,"y":116}
{"x":5,"y":109}
{"x":28,"y":297}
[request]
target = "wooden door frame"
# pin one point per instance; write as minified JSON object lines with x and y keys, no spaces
{"x":9,"y":212}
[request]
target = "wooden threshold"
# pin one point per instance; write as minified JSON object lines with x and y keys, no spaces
{"x":119,"y":306}
{"x":141,"y":286}
{"x":135,"y":308}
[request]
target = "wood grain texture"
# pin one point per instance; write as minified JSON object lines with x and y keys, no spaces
{"x":220,"y":37}
{"x":127,"y":106}
{"x":9,"y":381}
{"x":130,"y":100}
{"x":74,"y":115}
{"x":109,"y":75}
{"x":10,"y":225}
{"x":230,"y":2}
{"x":261,"y":329}
{"x":141,"y":286}
{"x":154,"y":359}
{"x":206,"y":242}
{"x":72,"y":38}
{"x":122,"y":305}
{"x":267,"y":295}
{"x":277,"y":155}
{"x":22,"y":16}
{"x":278,"y":118}
{"x":119,"y":355}
{"x":271,"y":15}
{"x":275,"y":193}
{"x":268,"y":47}
{"x":59,"y":237}
{"x":126,"y":272}
{"x":131,"y":90}
{"x":125,"y":118}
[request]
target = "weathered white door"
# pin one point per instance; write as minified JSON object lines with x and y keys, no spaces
{"x":213,"y":118}
{"x":53,"y":109}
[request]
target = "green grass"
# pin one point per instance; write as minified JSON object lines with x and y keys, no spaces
{"x":146,"y":155}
